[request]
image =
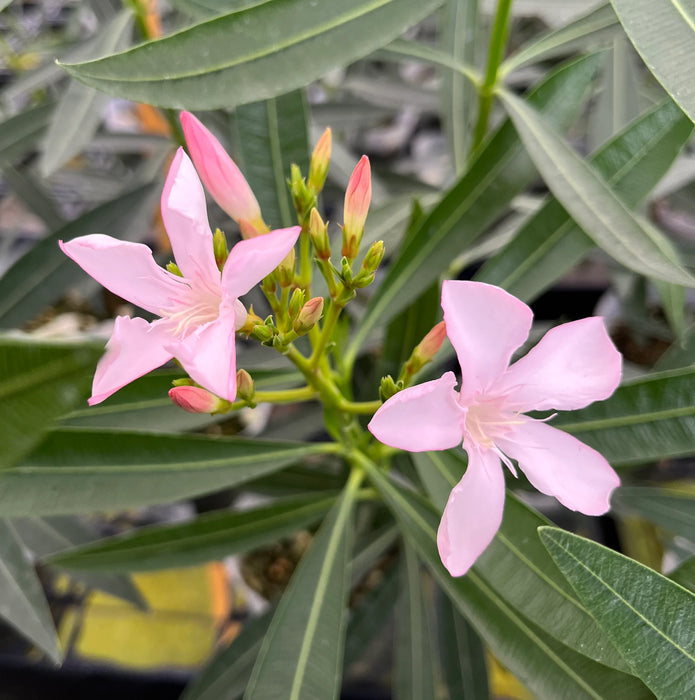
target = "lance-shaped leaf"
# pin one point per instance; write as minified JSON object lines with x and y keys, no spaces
{"x":549,"y":669}
{"x":663,"y":32}
{"x":22,"y":602}
{"x":302,"y":655}
{"x":81,"y":471}
{"x":672,"y":510}
{"x":42,"y":275}
{"x":271,"y":136}
{"x":253,"y":54}
{"x":209,"y":536}
{"x":80,"y":109}
{"x":39,"y":382}
{"x":648,"y":418}
{"x":21,"y":132}
{"x":414,"y":671}
{"x":516,"y":563}
{"x":45,"y":536}
{"x":650,"y":619}
{"x":586,"y":196}
{"x":500,"y":171}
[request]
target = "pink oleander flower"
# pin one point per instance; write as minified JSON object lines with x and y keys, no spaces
{"x":222,"y":178}
{"x":573,"y":365}
{"x":200,"y":311}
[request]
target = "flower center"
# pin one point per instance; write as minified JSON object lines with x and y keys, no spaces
{"x":198,"y":304}
{"x":489,"y":420}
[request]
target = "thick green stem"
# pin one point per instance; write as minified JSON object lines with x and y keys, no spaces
{"x":329,"y":323}
{"x":498,"y":39}
{"x":305,"y":268}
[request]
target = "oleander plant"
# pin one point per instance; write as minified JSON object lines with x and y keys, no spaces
{"x":412,"y":279}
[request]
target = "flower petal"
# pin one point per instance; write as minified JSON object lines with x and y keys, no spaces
{"x":424,"y":417}
{"x":134,"y":349}
{"x":559,"y":465}
{"x":208,"y":354}
{"x":573,"y":365}
{"x":220,"y":174}
{"x":485,"y":325}
{"x":473,"y":513}
{"x":186,"y":220}
{"x":251,"y":260}
{"x":126,"y":269}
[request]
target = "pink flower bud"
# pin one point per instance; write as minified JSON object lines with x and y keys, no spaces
{"x":319,"y":235}
{"x":220,"y":174}
{"x":248,"y":230}
{"x":357,"y":198}
{"x":429,"y":346}
{"x":309,"y":315}
{"x":320,"y":160}
{"x":245,"y":388}
{"x":196,"y":400}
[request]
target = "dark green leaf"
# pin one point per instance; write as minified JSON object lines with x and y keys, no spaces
{"x":650,"y":619}
{"x":685,"y":574}
{"x":271,"y":136}
{"x":251,"y":55}
{"x":77,"y":471}
{"x":23,"y":131}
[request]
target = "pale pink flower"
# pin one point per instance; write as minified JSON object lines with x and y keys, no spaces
{"x":199,"y":311}
{"x":221,"y":177}
{"x":573,"y":365}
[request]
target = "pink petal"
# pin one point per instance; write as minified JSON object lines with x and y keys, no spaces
{"x":559,"y":465}
{"x":572,"y":366}
{"x":134,"y":349}
{"x":126,"y":269}
{"x":186,"y":220}
{"x":424,"y":417}
{"x":473,"y":513}
{"x":219,"y":173}
{"x":251,"y":260}
{"x":485,"y":325}
{"x":208,"y":354}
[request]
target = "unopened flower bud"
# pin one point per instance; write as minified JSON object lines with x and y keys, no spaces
{"x":219,"y":246}
{"x":196,"y":400}
{"x":429,"y":346}
{"x":357,"y":198}
{"x":245,"y":388}
{"x":183,"y":381}
{"x":320,"y":160}
{"x":370,"y":264}
{"x":389,"y":387}
{"x":296,"y":302}
{"x":302,"y":197}
{"x":248,"y":230}
{"x":319,"y":235}
{"x":285,"y":270}
{"x":174,"y":269}
{"x":308,"y":316}
{"x":263,"y":333}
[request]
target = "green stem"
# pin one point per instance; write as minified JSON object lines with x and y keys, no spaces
{"x":305,"y":268}
{"x":361,"y":407}
{"x":498,"y":39}
{"x":329,"y":323}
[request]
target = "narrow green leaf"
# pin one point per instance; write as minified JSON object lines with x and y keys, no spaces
{"x":499,"y":172}
{"x":672,"y":510}
{"x":22,"y":602}
{"x":459,"y":38}
{"x":209,"y":536}
{"x":43,"y":274}
{"x":80,"y":471}
{"x":33,"y":193}
{"x":649,"y":418}
{"x":549,"y":669}
{"x":575,"y":35}
{"x":39,"y":382}
{"x":46,"y":536}
{"x":414,"y":671}
{"x":227,"y":674}
{"x":516,"y":563}
{"x":80,"y":109}
{"x":650,"y":619}
{"x":302,"y":654}
{"x":461,"y":654}
{"x":550,"y":243}
{"x":586,"y":196}
{"x":252,"y":55}
{"x":663,"y":32}
{"x":21,"y":132}
{"x":271,"y":136}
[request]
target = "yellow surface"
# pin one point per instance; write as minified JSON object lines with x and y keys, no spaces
{"x":187,"y":608}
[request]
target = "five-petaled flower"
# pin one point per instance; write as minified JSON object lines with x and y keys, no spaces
{"x":200,"y":310}
{"x":573,"y":365}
